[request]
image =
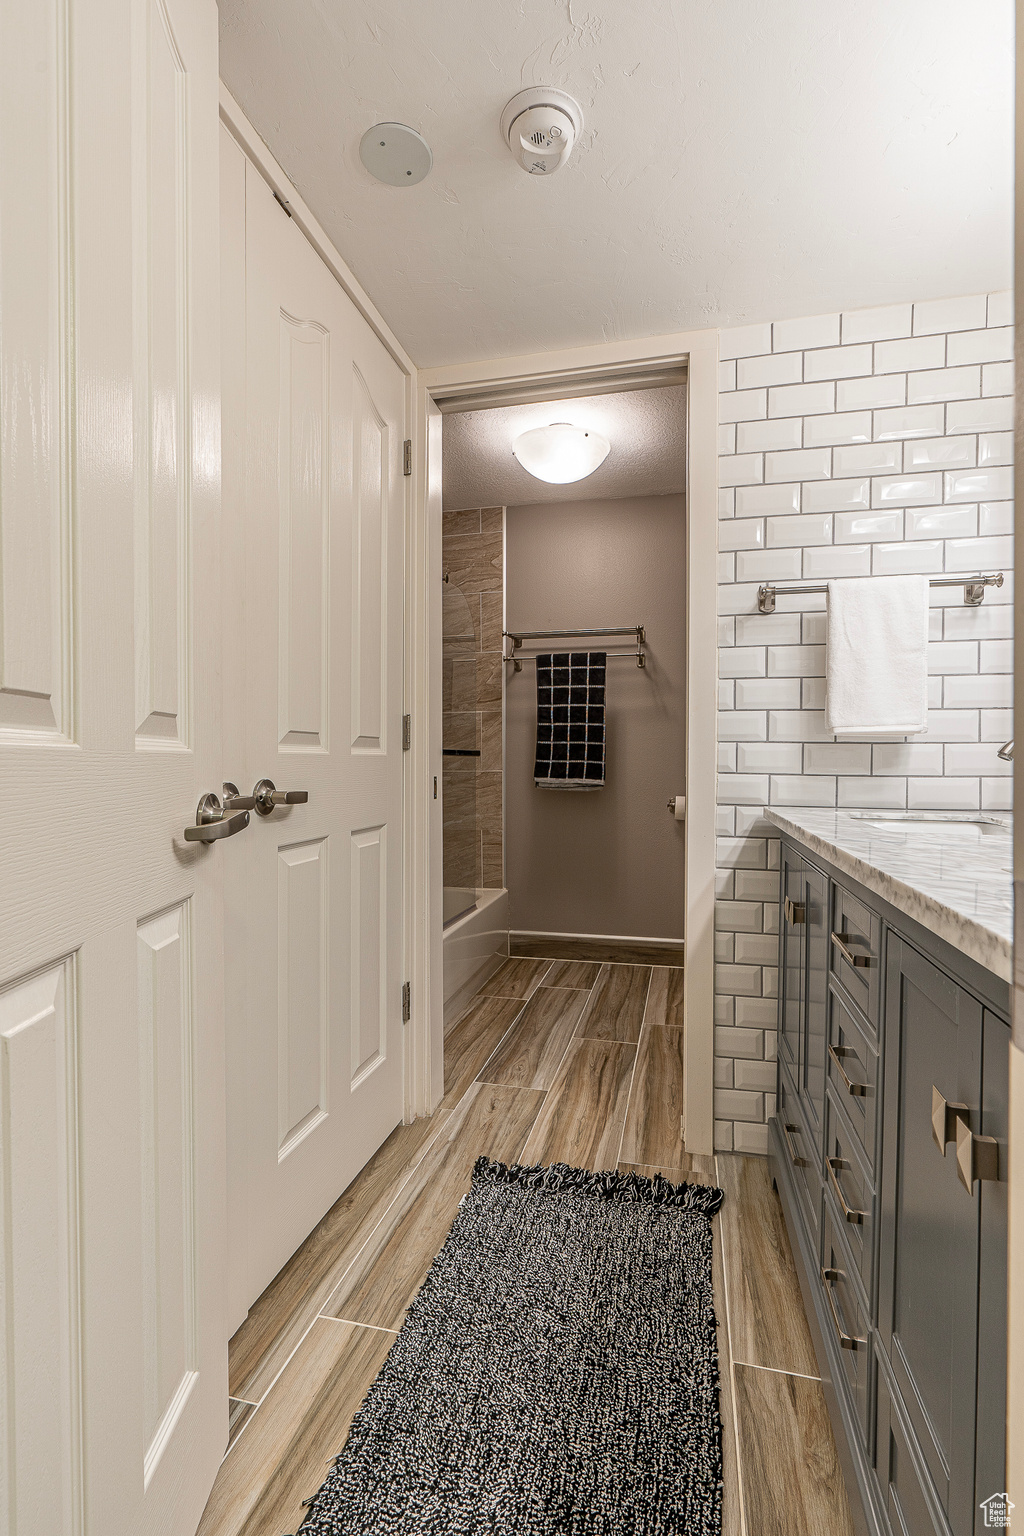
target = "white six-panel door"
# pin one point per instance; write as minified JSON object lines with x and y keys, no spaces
{"x":315,"y":890}
{"x":112,"y":1355}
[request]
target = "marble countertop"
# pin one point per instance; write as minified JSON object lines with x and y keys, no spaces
{"x":955,"y":878}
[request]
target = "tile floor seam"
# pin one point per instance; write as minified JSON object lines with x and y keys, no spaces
{"x":776,"y":1370}
{"x":561,"y":1059}
{"x":248,"y":1420}
{"x":632,"y":1075}
{"x":540,"y":1109}
{"x":732,"y":1372}
{"x":517,"y":1020}
{"x":327,"y":1317}
{"x":497,"y":1046}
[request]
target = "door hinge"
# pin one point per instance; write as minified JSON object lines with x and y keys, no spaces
{"x":407,"y":457}
{"x":406,"y":732}
{"x":406,"y":1002}
{"x":286,"y":206}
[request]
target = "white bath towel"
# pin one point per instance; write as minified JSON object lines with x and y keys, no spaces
{"x":877,"y":657}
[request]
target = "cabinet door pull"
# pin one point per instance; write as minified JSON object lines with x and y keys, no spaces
{"x":846,"y":1340}
{"x":841,"y":942}
{"x":944,"y":1118}
{"x":795,"y":1159}
{"x":837,"y":1052}
{"x":832,"y":1165}
{"x":796,"y":912}
{"x":977,"y":1157}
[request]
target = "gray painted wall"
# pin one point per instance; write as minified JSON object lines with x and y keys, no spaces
{"x":608,"y":861}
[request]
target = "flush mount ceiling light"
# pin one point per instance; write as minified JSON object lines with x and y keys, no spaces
{"x":540,"y":126}
{"x":395,"y":154}
{"x":560,"y":453}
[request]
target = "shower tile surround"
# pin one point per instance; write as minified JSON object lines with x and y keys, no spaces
{"x":871,"y":442}
{"x":472,"y":545}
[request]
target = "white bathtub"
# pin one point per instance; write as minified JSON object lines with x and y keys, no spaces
{"x":475,"y":944}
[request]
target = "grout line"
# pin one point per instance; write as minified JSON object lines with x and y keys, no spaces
{"x":568,"y":1047}
{"x":669,"y":1167}
{"x":647,"y":1001}
{"x":732,"y":1371}
{"x":632,"y":1076}
{"x":542,"y":1105}
{"x":776,"y":1370}
{"x":325,"y":1317}
{"x":498,"y":1044}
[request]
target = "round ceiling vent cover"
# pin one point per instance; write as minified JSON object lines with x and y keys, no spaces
{"x":395,"y":154}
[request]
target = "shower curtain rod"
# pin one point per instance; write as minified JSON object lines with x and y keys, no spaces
{"x":517,"y":637}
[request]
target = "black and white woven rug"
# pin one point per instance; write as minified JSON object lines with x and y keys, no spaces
{"x":557,"y":1372}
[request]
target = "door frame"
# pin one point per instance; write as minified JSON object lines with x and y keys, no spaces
{"x":697,"y":351}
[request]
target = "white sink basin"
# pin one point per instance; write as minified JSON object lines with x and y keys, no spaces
{"x":971,"y":823}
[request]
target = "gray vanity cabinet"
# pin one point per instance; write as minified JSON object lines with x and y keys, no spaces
{"x":928,"y":1270}
{"x":891,"y":1043}
{"x":803,"y":988}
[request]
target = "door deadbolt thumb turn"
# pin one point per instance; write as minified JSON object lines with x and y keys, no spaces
{"x":267,"y":798}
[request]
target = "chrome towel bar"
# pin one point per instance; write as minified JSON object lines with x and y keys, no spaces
{"x":974,"y":589}
{"x":519,"y":635}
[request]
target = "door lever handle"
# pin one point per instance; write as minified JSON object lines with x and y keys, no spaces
{"x":267,"y":798}
{"x":213,"y":821}
{"x":233,"y":801}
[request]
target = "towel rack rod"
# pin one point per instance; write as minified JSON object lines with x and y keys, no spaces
{"x":974,"y":589}
{"x":612,"y":656}
{"x":517,"y":636}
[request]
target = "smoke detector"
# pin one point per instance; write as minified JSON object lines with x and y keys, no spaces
{"x":540,"y":127}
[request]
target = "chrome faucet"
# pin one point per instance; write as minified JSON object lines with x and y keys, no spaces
{"x":1006,"y":752}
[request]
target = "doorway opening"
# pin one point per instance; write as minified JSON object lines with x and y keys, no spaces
{"x":580,"y":851}
{"x":552,"y":570}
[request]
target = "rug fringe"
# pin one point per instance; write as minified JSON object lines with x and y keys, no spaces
{"x":609,"y":1184}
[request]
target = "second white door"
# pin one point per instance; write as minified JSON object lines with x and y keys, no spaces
{"x":315,"y":897}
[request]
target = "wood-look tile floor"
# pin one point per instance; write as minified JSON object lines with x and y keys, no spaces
{"x":554,"y":1061}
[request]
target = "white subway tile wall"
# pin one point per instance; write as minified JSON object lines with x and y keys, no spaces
{"x":875,"y":442}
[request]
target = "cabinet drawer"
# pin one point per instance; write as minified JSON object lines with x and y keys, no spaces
{"x":802,"y":1154}
{"x":907,"y":1494}
{"x":847,"y":1323}
{"x":856,"y":950}
{"x":851,"y":1193}
{"x":852,"y":1071}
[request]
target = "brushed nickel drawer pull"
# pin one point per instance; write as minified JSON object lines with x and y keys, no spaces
{"x":796,"y":912}
{"x":837,"y":1052}
{"x":944,"y":1118}
{"x":846,"y":1340}
{"x":977,"y":1157}
{"x":841,"y":941}
{"x":795,"y":1159}
{"x":832,"y":1165}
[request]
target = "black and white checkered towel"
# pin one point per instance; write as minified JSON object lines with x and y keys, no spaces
{"x":570,"y":720}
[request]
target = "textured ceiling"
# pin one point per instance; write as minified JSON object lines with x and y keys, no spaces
{"x":741,"y":159}
{"x":647,"y":458}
